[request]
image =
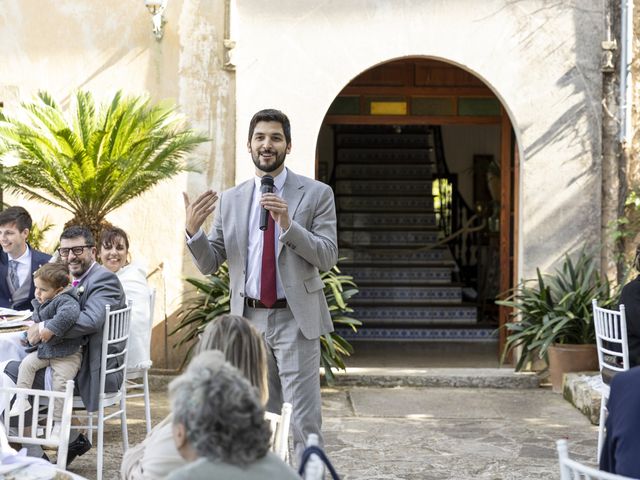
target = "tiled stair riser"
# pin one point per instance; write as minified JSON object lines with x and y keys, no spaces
{"x":386,"y":220}
{"x":388,"y":238}
{"x":382,"y":204}
{"x":397,"y":257}
{"x":419,"y":334}
{"x":385,"y":171}
{"x":390,"y":275}
{"x":383,"y":187}
{"x":408,"y":295}
{"x":423,"y":315}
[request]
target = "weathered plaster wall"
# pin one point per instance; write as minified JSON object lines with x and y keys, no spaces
{"x":63,"y":45}
{"x":541,"y":59}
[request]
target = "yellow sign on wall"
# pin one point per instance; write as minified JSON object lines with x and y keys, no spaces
{"x":388,"y":108}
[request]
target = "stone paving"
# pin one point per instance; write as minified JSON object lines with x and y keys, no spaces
{"x":424,"y":433}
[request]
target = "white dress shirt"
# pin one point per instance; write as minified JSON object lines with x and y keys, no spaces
{"x":255,"y":240}
{"x":24,"y":265}
{"x":256,"y":237}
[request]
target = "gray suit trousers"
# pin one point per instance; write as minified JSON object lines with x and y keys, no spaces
{"x":294,"y":363}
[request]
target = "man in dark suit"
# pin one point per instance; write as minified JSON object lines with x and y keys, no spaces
{"x":620,"y":452}
{"x":275,"y":273}
{"x":17,"y":260}
{"x":97,"y":287}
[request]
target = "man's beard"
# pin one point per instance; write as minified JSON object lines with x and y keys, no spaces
{"x":84,"y":266}
{"x":255,"y":156}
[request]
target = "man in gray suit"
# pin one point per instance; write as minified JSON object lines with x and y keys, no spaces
{"x":97,"y":287}
{"x":275,"y":279}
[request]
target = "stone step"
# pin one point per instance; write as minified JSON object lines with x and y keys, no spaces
{"x":386,"y":238}
{"x":424,"y":315}
{"x":393,"y":275}
{"x":413,"y":257}
{"x":407,"y":295}
{"x":583,"y":391}
{"x":387,"y":172}
{"x":384,"y":187}
{"x":502,"y":378}
{"x":384,"y":204}
{"x":368,"y":220}
{"x":390,"y":140}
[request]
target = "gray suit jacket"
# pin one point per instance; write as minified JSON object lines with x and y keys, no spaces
{"x":98,"y":289}
{"x":309,"y":245}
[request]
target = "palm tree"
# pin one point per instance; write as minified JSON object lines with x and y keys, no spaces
{"x":91,"y":160}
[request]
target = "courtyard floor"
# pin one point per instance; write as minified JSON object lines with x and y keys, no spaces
{"x":421,"y":433}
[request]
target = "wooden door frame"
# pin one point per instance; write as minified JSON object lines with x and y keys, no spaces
{"x":509,"y":216}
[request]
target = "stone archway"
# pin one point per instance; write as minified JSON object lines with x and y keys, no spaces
{"x":426,"y":270}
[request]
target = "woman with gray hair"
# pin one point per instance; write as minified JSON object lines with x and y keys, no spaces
{"x":243,"y":347}
{"x":219,"y":425}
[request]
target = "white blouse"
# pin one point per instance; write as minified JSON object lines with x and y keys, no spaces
{"x":134,"y":282}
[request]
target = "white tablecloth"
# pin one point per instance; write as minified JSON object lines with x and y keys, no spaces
{"x":10,"y":346}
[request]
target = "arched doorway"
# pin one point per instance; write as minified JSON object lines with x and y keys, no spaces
{"x":423,"y":162}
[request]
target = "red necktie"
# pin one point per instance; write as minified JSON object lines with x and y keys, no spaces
{"x":268,"y":273}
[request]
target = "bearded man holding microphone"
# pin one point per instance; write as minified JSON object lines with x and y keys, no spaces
{"x":277,"y":231}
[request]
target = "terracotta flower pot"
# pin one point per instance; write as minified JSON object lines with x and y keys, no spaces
{"x":570,"y":358}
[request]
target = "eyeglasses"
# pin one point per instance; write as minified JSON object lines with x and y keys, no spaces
{"x":64,"y":252}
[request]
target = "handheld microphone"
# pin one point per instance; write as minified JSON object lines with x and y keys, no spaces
{"x":266,"y":186}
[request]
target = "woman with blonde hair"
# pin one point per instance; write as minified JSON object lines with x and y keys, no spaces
{"x":242,"y":347}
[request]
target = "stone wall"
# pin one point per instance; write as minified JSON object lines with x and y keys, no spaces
{"x":63,"y":45}
{"x":541,"y":59}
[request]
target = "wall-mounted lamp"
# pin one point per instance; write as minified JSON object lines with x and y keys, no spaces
{"x":156,"y":9}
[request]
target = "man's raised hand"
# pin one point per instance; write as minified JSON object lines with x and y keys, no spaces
{"x":198,"y":211}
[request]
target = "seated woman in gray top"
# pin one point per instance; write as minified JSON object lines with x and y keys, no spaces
{"x":219,"y":425}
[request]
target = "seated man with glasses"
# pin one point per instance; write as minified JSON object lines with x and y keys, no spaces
{"x":97,"y":287}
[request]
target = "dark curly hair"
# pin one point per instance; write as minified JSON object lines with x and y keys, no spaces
{"x":271,"y":115}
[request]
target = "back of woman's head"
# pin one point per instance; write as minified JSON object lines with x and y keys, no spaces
{"x":222,"y":415}
{"x":242,"y":347}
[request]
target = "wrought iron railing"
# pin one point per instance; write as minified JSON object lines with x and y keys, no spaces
{"x":459,"y":223}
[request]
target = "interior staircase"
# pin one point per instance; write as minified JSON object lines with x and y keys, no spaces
{"x":388,"y":233}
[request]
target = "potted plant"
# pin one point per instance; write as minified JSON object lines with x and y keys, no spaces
{"x":552,"y":317}
{"x":211,"y":298}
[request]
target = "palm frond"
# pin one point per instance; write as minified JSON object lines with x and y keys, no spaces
{"x":90,"y":160}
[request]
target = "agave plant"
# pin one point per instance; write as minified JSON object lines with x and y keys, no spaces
{"x":211,"y":298}
{"x":92,"y":160}
{"x":556,"y":308}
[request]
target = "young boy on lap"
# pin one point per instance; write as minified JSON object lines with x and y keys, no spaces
{"x":56,"y":306}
